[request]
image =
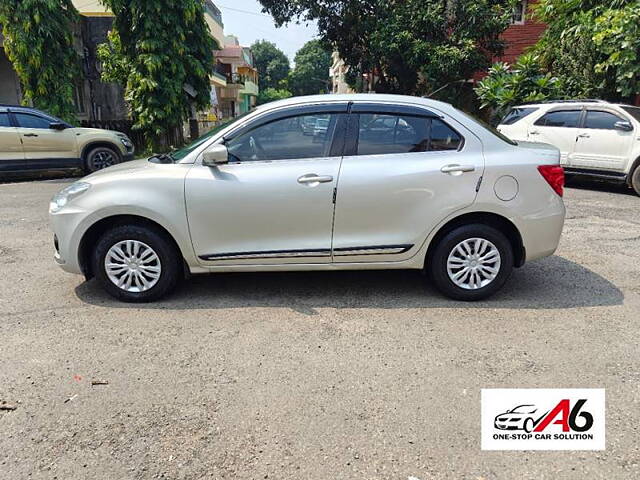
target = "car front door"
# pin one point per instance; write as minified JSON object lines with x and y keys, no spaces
{"x":558,"y":128}
{"x":273,"y":202}
{"x":43,"y":146}
{"x":600,"y":145}
{"x":400,"y":183}
{"x":11,"y":153}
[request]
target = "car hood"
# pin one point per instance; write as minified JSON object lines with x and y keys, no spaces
{"x":128,"y":169}
{"x":95,"y":131}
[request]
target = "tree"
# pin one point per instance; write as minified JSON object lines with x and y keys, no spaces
{"x":591,"y":49}
{"x":39,"y":42}
{"x":524,"y":81}
{"x":413,"y":46}
{"x":311,"y":73}
{"x":162,"y":52}
{"x":272,"y":64}
{"x":272,"y":94}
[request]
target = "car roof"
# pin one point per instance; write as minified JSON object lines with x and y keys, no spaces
{"x":571,"y":103}
{"x":359,"y":97}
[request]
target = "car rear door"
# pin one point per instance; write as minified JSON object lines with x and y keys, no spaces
{"x":273,"y":202}
{"x":560,"y":129}
{"x":45,"y":147}
{"x":600,"y":145}
{"x":397,"y":185}
{"x":11,"y":153}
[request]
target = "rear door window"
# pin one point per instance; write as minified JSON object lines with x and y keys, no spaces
{"x":516,"y":114}
{"x":381,"y":134}
{"x":601,"y":120}
{"x":564,"y":118}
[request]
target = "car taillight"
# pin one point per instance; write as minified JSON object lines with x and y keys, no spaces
{"x":554,"y":175}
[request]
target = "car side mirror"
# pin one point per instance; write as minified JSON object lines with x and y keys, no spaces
{"x":216,"y":155}
{"x":623,"y":126}
{"x":57,"y":126}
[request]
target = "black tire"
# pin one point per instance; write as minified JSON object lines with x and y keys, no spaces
{"x":635,"y":180}
{"x":99,"y":158}
{"x":170,"y":261}
{"x":437,"y":264}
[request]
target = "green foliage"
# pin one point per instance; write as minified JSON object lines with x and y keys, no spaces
{"x":524,"y":81}
{"x":158,"y":47}
{"x":617,"y":37}
{"x":592,"y":45}
{"x":414,"y":46}
{"x":39,"y":43}
{"x":272,"y":94}
{"x":272,"y":65}
{"x":311,"y":73}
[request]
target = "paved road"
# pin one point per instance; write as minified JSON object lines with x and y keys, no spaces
{"x":363,"y":375}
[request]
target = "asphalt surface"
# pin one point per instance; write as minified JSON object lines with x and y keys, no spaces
{"x":368,"y":375}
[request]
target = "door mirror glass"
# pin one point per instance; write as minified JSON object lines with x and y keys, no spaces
{"x":57,"y":126}
{"x":624,"y":126}
{"x":216,"y":155}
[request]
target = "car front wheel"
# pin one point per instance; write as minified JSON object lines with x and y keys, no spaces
{"x":100,"y":158}
{"x":635,"y":180}
{"x":136,"y":263}
{"x":471,"y":262}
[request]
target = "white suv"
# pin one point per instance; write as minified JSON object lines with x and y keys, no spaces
{"x":392,"y":183}
{"x":595,"y":138}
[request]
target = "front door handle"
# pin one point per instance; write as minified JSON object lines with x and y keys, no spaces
{"x":457,"y":169}
{"x":584,"y":135}
{"x":311,"y":179}
{"x":534,"y":132}
{"x":29,"y":135}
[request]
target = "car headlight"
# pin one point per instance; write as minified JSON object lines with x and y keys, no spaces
{"x":63,"y":197}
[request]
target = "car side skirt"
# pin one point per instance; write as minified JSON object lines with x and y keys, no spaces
{"x":366,"y":250}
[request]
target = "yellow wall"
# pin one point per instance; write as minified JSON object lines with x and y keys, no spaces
{"x":216,"y":30}
{"x":90,"y":7}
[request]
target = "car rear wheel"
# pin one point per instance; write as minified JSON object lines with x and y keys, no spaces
{"x":136,"y":263}
{"x":471,"y":262}
{"x":99,"y":158}
{"x":635,"y":180}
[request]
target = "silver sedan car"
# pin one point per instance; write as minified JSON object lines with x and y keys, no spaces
{"x":393,"y":182}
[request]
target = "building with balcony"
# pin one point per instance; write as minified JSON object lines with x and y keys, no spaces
{"x":235,"y":63}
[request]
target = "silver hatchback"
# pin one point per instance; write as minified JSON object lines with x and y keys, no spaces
{"x":388,"y":182}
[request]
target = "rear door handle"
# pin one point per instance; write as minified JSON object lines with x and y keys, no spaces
{"x":312,"y":178}
{"x":534,"y":132}
{"x":29,"y":135}
{"x":457,"y":169}
{"x":584,"y":135}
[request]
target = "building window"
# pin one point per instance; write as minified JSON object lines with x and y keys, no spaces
{"x":519,"y":13}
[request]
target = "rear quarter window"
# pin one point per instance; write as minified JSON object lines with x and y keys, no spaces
{"x":516,"y":114}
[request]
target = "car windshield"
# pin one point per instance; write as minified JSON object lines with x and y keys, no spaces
{"x":489,"y":128}
{"x":633,"y":111}
{"x":181,"y":153}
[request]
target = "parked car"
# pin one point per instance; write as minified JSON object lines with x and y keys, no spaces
{"x":455,"y":198}
{"x":33,"y":140}
{"x":522,"y":417}
{"x":595,"y":138}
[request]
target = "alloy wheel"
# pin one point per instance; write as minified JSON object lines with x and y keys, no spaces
{"x":103,"y":159}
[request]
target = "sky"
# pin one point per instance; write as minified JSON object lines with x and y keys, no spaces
{"x":243,"y":18}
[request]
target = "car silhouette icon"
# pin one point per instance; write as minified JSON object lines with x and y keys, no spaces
{"x":522,"y":417}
